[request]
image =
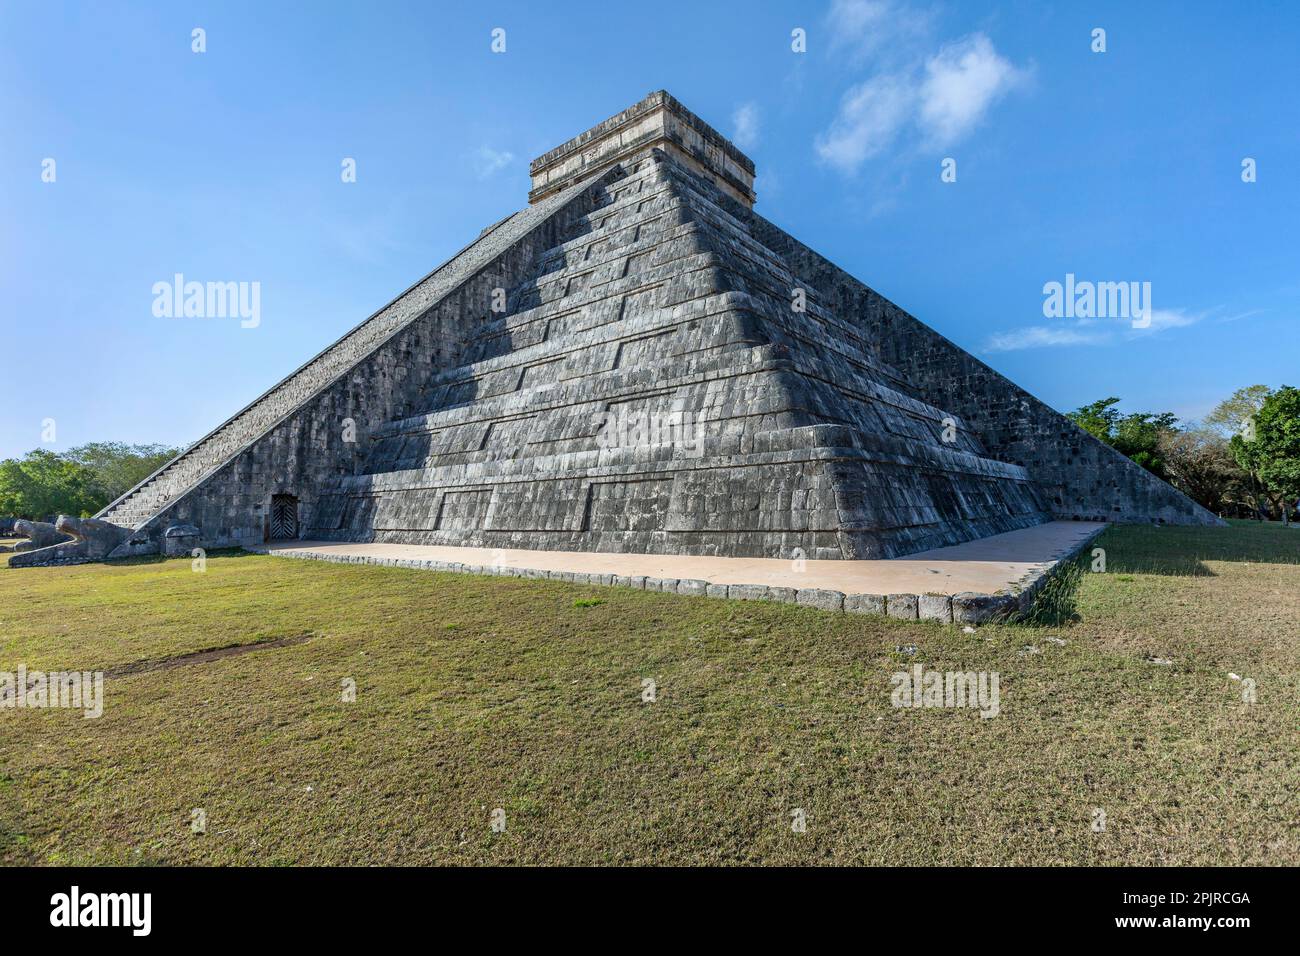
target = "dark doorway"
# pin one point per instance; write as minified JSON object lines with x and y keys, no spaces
{"x":284,"y":517}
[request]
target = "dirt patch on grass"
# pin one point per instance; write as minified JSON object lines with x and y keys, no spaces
{"x":183,"y":660}
{"x":203,"y":657}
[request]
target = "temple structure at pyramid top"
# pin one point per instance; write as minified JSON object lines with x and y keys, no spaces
{"x":657,"y":122}
{"x":636,"y":362}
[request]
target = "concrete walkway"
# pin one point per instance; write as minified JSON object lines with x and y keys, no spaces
{"x":987,"y":566}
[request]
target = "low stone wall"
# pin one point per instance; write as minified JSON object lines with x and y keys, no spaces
{"x":965,"y":608}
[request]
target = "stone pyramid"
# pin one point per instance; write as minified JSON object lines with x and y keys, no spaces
{"x":638,"y":362}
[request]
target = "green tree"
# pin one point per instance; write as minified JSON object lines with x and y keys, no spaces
{"x":1137,"y":435}
{"x":43,"y":483}
{"x":1230,"y":415}
{"x":1097,"y":419}
{"x":117,"y":466}
{"x":79,"y":481}
{"x":1269,"y":447}
{"x":1199,"y":463}
{"x":1229,"y":418}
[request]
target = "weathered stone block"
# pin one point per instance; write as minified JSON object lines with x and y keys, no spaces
{"x":864,"y":603}
{"x":821,"y":598}
{"x":935,"y":607}
{"x":902,"y":606}
{"x":971,"y":608}
{"x":180,"y":540}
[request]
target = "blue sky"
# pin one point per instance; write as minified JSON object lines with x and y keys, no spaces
{"x":225,"y":166}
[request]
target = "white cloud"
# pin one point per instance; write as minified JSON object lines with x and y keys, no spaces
{"x":961,"y":82}
{"x":1042,"y":336}
{"x":489,"y":161}
{"x":1087,"y":331}
{"x":745,"y":121}
{"x":939,"y":99}
{"x":862,"y":28}
{"x":855,"y":21}
{"x":1162,"y":319}
{"x":1238,"y":316}
{"x":913,"y":95}
{"x":869,"y":118}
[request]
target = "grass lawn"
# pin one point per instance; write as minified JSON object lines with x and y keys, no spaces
{"x":476,"y":693}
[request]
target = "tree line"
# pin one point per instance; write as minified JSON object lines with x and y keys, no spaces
{"x":1242,"y":460}
{"x":79,"y":481}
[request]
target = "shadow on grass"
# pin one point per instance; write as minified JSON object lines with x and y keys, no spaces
{"x":1174,"y":551}
{"x":1183,"y":551}
{"x":159,"y":559}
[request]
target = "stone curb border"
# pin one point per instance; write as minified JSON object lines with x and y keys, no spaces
{"x":1029,"y":587}
{"x":965,"y":608}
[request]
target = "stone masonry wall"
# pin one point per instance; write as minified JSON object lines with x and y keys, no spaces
{"x":1081,"y":477}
